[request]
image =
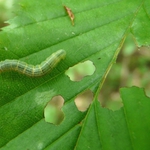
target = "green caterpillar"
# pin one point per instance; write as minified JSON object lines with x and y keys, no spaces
{"x":31,"y":70}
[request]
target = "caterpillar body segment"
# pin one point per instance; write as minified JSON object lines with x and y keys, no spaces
{"x":31,"y":70}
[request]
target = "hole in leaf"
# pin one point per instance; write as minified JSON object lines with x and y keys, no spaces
{"x":77,"y":72}
{"x":52,"y":112}
{"x":83,"y":100}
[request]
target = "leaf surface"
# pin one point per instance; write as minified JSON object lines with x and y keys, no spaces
{"x":38,"y":30}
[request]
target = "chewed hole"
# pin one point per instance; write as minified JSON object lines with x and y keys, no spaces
{"x":83,"y":100}
{"x":52,"y":112}
{"x":77,"y":72}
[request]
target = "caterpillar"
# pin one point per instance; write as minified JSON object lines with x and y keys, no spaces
{"x":31,"y":70}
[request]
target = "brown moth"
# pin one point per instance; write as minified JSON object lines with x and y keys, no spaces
{"x":70,"y":13}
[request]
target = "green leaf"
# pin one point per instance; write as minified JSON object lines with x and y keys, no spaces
{"x":140,"y":27}
{"x":43,"y":27}
{"x":136,"y":110}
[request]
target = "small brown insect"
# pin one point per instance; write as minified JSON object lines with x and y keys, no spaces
{"x":70,"y":13}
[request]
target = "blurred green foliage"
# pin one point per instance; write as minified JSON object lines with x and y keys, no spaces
{"x":6,"y":11}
